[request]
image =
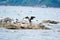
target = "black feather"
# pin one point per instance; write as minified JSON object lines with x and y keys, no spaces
{"x":27,"y":17}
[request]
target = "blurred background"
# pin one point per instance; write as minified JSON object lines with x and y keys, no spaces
{"x":38,"y":3}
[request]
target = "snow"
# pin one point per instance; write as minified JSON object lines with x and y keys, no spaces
{"x":40,"y":13}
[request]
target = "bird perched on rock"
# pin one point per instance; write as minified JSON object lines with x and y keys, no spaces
{"x":30,"y":19}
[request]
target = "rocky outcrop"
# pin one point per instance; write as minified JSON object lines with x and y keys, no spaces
{"x":10,"y":26}
{"x":6,"y":20}
{"x":50,"y":21}
{"x":39,"y":26}
{"x":23,"y":26}
{"x":26,"y":23}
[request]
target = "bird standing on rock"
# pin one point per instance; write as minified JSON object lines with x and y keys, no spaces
{"x":30,"y":19}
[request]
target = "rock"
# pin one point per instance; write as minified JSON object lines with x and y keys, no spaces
{"x":10,"y":26}
{"x":13,"y":26}
{"x":43,"y":26}
{"x":39,"y":26}
{"x":50,"y":21}
{"x":25,"y":26}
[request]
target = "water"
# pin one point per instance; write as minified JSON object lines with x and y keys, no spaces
{"x":21,"y":12}
{"x":6,"y":34}
{"x":40,"y":3}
